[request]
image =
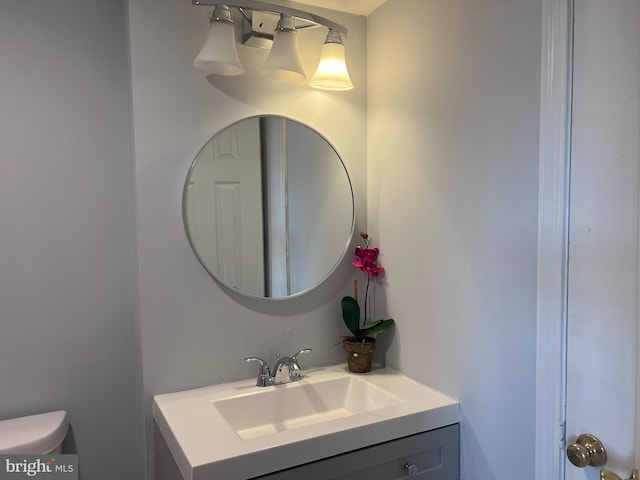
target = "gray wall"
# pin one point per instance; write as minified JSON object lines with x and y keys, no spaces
{"x":451,"y":171}
{"x":453,"y":112}
{"x":194,"y":333}
{"x":68,"y":322}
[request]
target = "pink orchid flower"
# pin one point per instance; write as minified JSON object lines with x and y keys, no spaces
{"x":366,"y":261}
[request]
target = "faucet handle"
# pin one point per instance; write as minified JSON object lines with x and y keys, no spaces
{"x":264,"y":367}
{"x":264,"y":374}
{"x":295,"y":357}
{"x":295,"y":368}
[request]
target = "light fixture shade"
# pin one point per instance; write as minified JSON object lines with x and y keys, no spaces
{"x":332,"y":71}
{"x":283,"y":62}
{"x":219,"y":54}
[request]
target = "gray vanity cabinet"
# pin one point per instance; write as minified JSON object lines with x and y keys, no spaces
{"x":432,"y":455}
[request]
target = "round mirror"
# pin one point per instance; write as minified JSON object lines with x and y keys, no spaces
{"x":268,"y":207}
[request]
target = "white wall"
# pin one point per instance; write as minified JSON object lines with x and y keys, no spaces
{"x":68,"y":323}
{"x":195,"y":333}
{"x":453,"y":105}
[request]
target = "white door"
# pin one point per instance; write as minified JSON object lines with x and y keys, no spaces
{"x":225,"y":201}
{"x":603,"y":234}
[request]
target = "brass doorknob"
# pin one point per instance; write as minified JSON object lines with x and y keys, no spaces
{"x":587,"y":450}
{"x":607,"y":475}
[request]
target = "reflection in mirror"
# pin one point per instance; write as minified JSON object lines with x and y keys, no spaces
{"x":268,"y":207}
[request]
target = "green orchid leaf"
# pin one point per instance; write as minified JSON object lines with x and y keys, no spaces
{"x":351,"y":314}
{"x":376,"y":327}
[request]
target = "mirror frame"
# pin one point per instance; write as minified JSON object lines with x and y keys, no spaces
{"x":340,"y":256}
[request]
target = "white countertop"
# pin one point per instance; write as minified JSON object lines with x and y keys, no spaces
{"x":205,"y":446}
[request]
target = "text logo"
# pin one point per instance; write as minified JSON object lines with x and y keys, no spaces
{"x":50,"y":467}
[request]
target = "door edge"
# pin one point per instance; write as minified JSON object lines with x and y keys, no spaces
{"x":553,"y":203}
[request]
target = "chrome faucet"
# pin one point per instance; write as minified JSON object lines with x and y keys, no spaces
{"x":285,"y":370}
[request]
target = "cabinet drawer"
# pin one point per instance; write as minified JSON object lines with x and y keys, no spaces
{"x":434,"y":453}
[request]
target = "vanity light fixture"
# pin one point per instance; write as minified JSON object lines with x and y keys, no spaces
{"x":219,"y":54}
{"x":283,"y":62}
{"x":332,"y":71}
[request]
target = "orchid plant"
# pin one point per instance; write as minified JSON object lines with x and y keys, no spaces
{"x":366,"y":260}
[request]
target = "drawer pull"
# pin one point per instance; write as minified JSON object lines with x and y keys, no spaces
{"x":411,"y":469}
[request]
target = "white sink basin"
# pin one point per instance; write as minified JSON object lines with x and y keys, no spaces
{"x":238,"y":430}
{"x":268,"y":411}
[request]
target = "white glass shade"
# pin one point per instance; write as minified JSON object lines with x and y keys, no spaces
{"x":219,"y":54}
{"x":283,"y":62}
{"x":332,"y":71}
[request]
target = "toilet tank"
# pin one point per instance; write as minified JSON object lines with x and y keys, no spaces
{"x":34,"y":434}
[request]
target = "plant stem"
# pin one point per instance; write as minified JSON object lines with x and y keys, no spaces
{"x":366,"y":299}
{"x":366,"y":292}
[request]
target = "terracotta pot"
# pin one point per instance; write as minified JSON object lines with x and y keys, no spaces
{"x":359,"y":353}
